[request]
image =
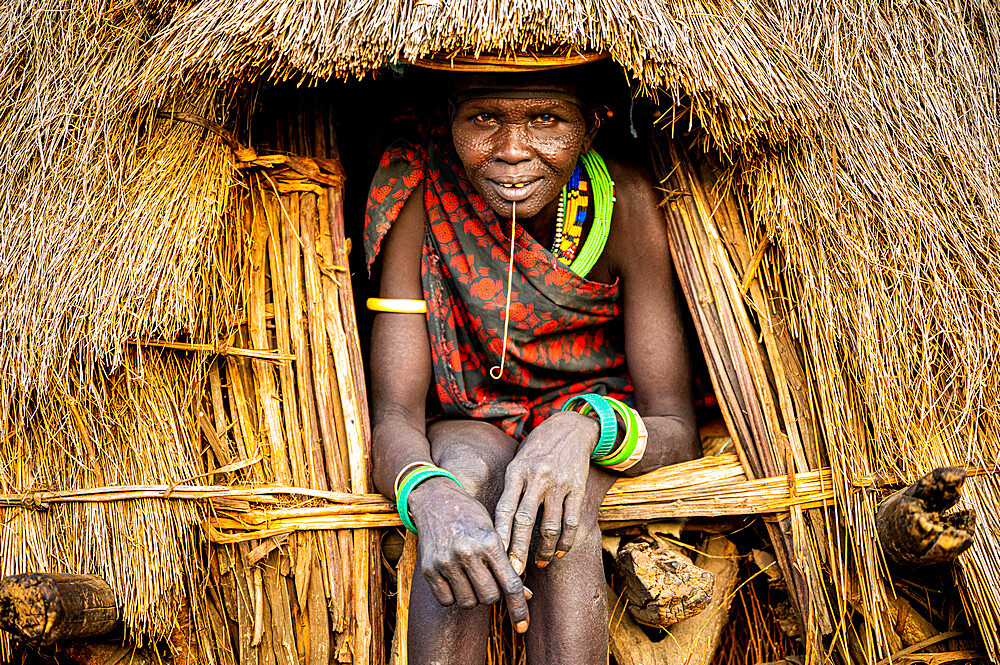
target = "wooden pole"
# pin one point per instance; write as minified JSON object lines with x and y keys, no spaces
{"x":42,"y":608}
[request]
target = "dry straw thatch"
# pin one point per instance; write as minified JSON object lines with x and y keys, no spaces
{"x":864,"y":136}
{"x":888,"y":222}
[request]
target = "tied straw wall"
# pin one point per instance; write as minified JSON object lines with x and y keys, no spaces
{"x":858,"y":145}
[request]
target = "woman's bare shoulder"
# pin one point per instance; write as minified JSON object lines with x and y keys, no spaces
{"x":638,"y":229}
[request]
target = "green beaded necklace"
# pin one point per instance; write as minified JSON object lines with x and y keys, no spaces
{"x":603,"y":199}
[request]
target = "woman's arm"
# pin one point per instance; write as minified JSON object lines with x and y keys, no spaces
{"x":551,"y":467}
{"x":655,"y":347}
{"x":400,"y":355}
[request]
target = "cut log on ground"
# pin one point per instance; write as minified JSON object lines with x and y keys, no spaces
{"x":42,"y":608}
{"x":689,"y":642}
{"x":912,"y":529}
{"x":662,"y":585}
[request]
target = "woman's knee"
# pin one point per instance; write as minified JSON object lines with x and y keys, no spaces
{"x":477,"y":453}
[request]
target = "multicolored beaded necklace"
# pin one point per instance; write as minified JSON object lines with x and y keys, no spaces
{"x":572,"y":214}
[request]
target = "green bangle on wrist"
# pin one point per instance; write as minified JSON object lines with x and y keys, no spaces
{"x":631,"y":440}
{"x":605,"y":415}
{"x":411,"y":480}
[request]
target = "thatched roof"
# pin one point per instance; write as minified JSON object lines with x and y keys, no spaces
{"x":867,"y":140}
{"x":728,"y":59}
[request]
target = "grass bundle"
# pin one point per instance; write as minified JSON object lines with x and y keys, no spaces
{"x":123,"y":429}
{"x":113,"y":215}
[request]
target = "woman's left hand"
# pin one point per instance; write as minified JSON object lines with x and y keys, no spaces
{"x":550,"y":470}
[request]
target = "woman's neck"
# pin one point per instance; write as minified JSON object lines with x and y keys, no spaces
{"x":542,"y":226}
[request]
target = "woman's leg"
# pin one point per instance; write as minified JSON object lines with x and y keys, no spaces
{"x":569,"y":611}
{"x":478,"y":454}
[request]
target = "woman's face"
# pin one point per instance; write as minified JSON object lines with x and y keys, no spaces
{"x":521,"y":150}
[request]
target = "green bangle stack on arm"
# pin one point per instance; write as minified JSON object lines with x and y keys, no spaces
{"x":605,"y":453}
{"x":412,"y":479}
{"x":600,"y":405}
{"x":631,"y":440}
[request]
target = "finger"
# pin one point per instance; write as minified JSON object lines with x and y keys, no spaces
{"x":513,"y":589}
{"x":571,"y":522}
{"x":465,"y":597}
{"x":439,"y":587}
{"x":507,"y":505}
{"x":549,"y":529}
{"x":524,"y":523}
{"x":483,"y":582}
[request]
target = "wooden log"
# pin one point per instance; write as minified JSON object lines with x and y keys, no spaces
{"x":911,"y":527}
{"x":662,"y":585}
{"x":692,"y":641}
{"x":404,"y":578}
{"x":629,"y":644}
{"x":44,"y":607}
{"x":181,"y":641}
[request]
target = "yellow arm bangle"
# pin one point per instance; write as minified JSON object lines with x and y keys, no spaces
{"x":397,"y":305}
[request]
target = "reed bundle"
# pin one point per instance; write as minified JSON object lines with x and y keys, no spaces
{"x":757,"y":370}
{"x":306,"y":597}
{"x":709,"y":487}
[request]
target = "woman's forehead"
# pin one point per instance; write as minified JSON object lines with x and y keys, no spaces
{"x":534,"y":85}
{"x":513,"y":100}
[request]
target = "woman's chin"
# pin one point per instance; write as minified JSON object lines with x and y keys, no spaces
{"x":523,"y":209}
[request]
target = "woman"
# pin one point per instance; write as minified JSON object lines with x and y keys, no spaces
{"x":503,"y":474}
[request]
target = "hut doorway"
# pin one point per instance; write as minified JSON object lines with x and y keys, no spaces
{"x":350,"y":124}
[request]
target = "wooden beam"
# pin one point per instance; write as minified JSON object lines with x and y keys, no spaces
{"x":42,"y":608}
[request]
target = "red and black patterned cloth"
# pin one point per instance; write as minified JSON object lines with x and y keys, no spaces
{"x":565,"y":333}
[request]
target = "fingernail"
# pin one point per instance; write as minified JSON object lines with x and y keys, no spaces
{"x":516,"y":563}
{"x":560,"y":554}
{"x":521,"y":627}
{"x":528,"y":594}
{"x":541,"y":564}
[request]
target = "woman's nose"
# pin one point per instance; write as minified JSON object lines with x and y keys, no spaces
{"x":512,"y":144}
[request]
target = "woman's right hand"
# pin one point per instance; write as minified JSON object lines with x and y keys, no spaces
{"x":461,"y":554}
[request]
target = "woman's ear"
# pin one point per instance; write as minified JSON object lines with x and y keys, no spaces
{"x":594,"y":118}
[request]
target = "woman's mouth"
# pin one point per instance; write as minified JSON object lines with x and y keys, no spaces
{"x":516,"y":190}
